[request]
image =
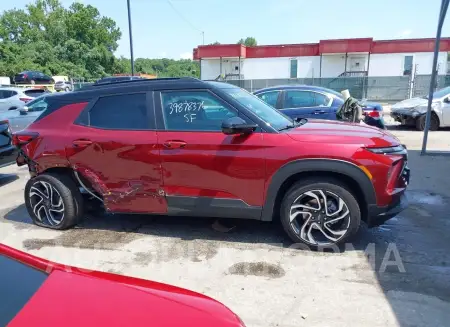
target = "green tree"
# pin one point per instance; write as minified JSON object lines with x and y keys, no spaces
{"x":249,"y":42}
{"x":76,"y":41}
{"x":46,"y":36}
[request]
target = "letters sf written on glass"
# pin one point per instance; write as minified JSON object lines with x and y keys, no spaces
{"x":187,"y":109}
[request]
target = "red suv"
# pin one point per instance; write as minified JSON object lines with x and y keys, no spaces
{"x":194,"y":148}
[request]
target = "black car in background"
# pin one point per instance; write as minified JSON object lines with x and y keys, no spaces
{"x":33,"y":77}
{"x":8,"y":152}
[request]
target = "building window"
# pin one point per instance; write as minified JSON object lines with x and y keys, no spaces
{"x":294,"y":65}
{"x":408,"y":66}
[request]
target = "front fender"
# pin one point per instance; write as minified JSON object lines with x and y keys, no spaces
{"x":316,"y":165}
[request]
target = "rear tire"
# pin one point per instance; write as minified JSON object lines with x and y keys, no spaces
{"x":53,"y":201}
{"x":306,"y":220}
{"x":32,"y":82}
{"x":434,"y":122}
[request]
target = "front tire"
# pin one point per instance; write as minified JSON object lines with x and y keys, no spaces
{"x":53,"y":201}
{"x":434,"y":122}
{"x":320,"y":212}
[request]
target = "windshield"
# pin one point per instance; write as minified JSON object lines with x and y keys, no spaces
{"x":18,"y":283}
{"x":440,"y":93}
{"x":270,"y":115}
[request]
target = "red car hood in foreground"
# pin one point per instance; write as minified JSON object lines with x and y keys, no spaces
{"x":326,"y":131}
{"x":80,"y":298}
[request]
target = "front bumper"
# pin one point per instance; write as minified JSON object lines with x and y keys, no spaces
{"x":405,"y":116}
{"x":8,"y":155}
{"x":379,"y":215}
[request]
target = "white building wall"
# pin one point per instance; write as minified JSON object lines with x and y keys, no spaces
{"x":210,"y":68}
{"x":267,"y":68}
{"x":332,"y":65}
{"x":392,"y":64}
{"x":424,"y":61}
{"x":308,"y":67}
{"x":262,"y":68}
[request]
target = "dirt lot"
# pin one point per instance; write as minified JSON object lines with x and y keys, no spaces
{"x":394,"y":275}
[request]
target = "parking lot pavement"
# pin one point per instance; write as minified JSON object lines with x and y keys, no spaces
{"x":394,"y":275}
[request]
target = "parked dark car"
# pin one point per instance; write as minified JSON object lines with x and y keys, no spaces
{"x":33,"y":77}
{"x":115,"y":79}
{"x":193,"y":148}
{"x":8,"y":152}
{"x":303,"y":101}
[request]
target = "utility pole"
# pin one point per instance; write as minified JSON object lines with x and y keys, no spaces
{"x":131,"y":38}
{"x":203,"y":36}
{"x":442,"y":13}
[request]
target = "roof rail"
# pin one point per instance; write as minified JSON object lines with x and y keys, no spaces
{"x":145,"y":80}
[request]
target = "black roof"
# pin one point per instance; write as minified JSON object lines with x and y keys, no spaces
{"x":138,"y":85}
{"x":114,"y":79}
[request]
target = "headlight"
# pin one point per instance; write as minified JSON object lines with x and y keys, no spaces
{"x":399,"y":149}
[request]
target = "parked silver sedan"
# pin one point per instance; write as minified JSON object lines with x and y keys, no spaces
{"x":412,"y":112}
{"x":12,"y":98}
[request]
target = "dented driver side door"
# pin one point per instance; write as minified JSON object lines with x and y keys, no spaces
{"x":113,"y":146}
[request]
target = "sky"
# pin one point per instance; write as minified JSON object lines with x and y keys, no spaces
{"x":172,"y":28}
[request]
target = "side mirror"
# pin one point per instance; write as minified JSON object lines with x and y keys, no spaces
{"x":236,"y":125}
{"x":447,"y":99}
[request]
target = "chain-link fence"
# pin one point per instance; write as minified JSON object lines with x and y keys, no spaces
{"x":422,"y":84}
{"x":77,"y":86}
{"x":387,"y":88}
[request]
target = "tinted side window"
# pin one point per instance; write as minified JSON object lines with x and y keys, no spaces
{"x":296,"y":99}
{"x":38,"y":105}
{"x":270,"y":97}
{"x":194,"y":111}
{"x":126,"y":111}
{"x":5,"y":94}
{"x":34,"y":92}
{"x":321,"y":100}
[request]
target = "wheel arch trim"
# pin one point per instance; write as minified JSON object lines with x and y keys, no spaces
{"x":315,"y":165}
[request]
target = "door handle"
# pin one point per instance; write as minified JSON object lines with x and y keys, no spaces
{"x":318,"y":112}
{"x":174,"y":144}
{"x":81,"y":143}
